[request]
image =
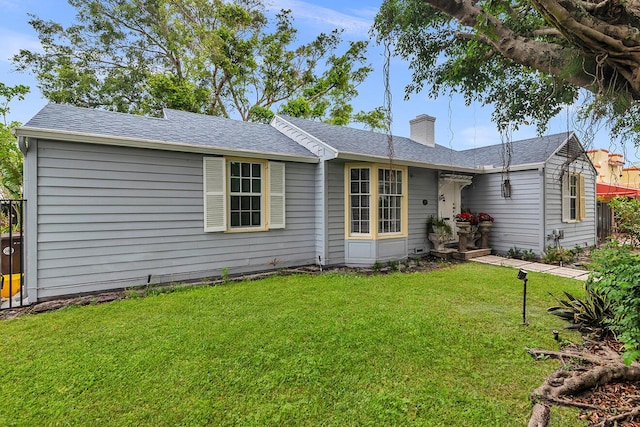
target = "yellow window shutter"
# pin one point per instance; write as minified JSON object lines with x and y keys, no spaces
{"x":566,"y":198}
{"x":214,"y":184}
{"x":277,"y":213}
{"x":582,"y":198}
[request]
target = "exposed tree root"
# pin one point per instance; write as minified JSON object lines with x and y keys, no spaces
{"x":582,"y":370}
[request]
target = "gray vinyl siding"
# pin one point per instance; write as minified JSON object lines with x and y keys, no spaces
{"x":108,"y":217}
{"x":423,"y":185}
{"x":582,"y":233}
{"x":518,"y":219}
{"x":335,"y":212}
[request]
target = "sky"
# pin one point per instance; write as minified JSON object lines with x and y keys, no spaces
{"x":457,"y":126}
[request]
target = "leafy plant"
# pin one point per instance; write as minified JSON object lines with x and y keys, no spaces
{"x":11,"y":164}
{"x":557,"y":255}
{"x":514,"y":252}
{"x":592,"y":314}
{"x":627,"y":216}
{"x":529,"y":255}
{"x":393,"y":265}
{"x":616,"y":273}
{"x":441,"y":227}
{"x":377,"y":266}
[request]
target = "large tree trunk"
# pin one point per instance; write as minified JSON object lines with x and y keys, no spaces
{"x":582,"y":370}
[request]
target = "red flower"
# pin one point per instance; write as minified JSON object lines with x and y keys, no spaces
{"x":466,"y":217}
{"x":482,"y":217}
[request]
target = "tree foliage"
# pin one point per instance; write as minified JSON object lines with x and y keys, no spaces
{"x":627,"y":216}
{"x":207,"y":56}
{"x":616,"y":273}
{"x":528,"y":58}
{"x":10,"y":154}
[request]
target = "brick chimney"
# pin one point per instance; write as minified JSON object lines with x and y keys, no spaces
{"x":422,"y":130}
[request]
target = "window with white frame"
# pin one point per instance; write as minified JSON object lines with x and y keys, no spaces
{"x":376,"y":204}
{"x":573,"y":197}
{"x":243,"y":194}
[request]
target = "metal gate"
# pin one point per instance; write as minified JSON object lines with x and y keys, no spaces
{"x":12,"y":262}
{"x":605,"y":222}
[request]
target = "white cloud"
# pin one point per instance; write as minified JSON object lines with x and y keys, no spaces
{"x":356,"y":23}
{"x":13,"y":41}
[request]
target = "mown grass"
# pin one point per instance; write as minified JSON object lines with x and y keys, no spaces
{"x":443,"y":348}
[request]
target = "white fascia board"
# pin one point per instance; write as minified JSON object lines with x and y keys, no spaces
{"x":123,"y":141}
{"x":384,"y":159}
{"x":318,"y":147}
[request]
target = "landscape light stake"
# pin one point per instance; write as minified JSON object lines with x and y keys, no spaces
{"x":522,"y":275}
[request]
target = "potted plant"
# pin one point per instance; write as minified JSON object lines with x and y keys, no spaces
{"x":464,"y":220}
{"x":439,"y":232}
{"x":484,"y":219}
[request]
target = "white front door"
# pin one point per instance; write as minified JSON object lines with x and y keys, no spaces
{"x":450,"y":197}
{"x":448,"y":203}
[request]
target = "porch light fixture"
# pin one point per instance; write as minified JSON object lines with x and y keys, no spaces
{"x":522,"y":275}
{"x":506,"y":189}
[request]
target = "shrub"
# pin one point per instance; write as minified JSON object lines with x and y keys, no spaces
{"x":528,"y":255}
{"x":514,"y":252}
{"x":616,"y":273}
{"x":554,"y":255}
{"x":627,"y":216}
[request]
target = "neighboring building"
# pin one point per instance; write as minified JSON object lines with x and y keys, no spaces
{"x":117,"y":200}
{"x":613,"y":178}
{"x":631,"y":176}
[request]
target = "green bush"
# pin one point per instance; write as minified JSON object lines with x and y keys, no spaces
{"x":554,"y":255}
{"x":616,"y":274}
{"x":514,"y":252}
{"x":627,"y":216}
{"x":526,"y":254}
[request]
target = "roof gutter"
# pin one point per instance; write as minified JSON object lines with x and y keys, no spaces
{"x":515,"y":168}
{"x":369,"y":158}
{"x":438,"y":166}
{"x":152,"y":144}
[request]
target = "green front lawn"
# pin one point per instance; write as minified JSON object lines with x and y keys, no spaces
{"x":443,"y":348}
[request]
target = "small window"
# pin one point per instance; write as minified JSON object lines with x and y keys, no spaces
{"x":238,"y":194}
{"x":573,"y":197}
{"x":245,"y":194}
{"x":389,"y":201}
{"x":360,"y":197}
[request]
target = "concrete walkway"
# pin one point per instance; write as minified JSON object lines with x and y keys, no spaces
{"x":533,"y":266}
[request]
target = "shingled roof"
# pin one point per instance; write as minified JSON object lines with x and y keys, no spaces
{"x":175,"y":129}
{"x":179,"y":130}
{"x":363,"y":142}
{"x":523,"y":152}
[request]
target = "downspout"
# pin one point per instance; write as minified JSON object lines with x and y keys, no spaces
{"x":543,"y":208}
